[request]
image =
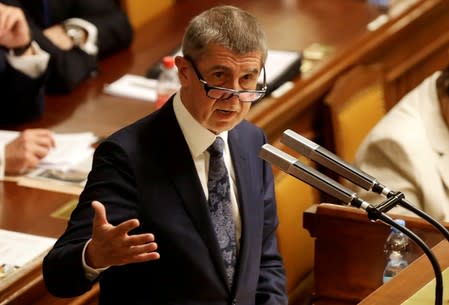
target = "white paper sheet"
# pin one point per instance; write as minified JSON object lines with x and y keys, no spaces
{"x":17,"y":249}
{"x":70,"y":148}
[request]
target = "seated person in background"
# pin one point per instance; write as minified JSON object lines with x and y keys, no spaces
{"x":22,"y":76}
{"x":22,"y":67}
{"x":76,"y":33}
{"x":25,"y":152}
{"x":408,"y":150}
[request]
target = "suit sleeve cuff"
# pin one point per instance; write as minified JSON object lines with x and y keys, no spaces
{"x":31,"y":65}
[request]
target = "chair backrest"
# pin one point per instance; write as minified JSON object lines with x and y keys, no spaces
{"x":355,"y":104}
{"x":140,"y":11}
{"x":295,"y":243}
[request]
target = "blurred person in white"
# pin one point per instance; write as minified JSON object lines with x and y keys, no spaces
{"x":408,"y":150}
{"x":23,"y":66}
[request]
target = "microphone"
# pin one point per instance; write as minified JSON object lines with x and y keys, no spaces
{"x":326,"y":158}
{"x":297,"y":169}
{"x":309,"y":175}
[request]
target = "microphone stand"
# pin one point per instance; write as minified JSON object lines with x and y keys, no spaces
{"x":309,"y":175}
{"x":425,"y":248}
{"x":385,"y":206}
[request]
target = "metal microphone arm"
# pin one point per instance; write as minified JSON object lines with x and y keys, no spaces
{"x":297,"y":169}
{"x":309,"y":175}
{"x":328,"y":159}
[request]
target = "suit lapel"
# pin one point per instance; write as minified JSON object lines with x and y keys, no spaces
{"x":242,"y":170}
{"x":176,"y":157}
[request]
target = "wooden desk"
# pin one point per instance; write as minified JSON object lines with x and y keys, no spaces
{"x":406,"y":284}
{"x":403,"y":47}
{"x":290,"y":25}
{"x":349,"y":259}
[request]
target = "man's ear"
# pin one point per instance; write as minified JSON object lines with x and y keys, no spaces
{"x":183,"y":66}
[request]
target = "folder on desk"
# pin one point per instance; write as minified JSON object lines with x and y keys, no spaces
{"x":281,"y":66}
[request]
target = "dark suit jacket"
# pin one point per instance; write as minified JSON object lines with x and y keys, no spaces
{"x":22,"y":97}
{"x":146,"y":171}
{"x":68,"y":68}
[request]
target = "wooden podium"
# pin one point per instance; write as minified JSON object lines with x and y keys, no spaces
{"x":412,"y":279}
{"x":349,"y":258}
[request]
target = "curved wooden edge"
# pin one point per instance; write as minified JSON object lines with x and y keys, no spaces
{"x":21,"y":281}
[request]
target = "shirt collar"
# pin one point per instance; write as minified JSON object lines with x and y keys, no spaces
{"x":198,"y":137}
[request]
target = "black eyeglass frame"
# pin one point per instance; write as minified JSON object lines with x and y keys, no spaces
{"x":232,"y":92}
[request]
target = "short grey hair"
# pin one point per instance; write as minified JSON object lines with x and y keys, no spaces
{"x":227,"y":26}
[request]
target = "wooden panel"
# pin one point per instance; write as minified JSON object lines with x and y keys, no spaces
{"x":356,"y":103}
{"x":411,"y":52}
{"x":408,"y":282}
{"x":141,"y":11}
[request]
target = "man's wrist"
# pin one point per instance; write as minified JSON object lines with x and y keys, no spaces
{"x":76,"y":34}
{"x":19,"y":51}
{"x":89,"y":34}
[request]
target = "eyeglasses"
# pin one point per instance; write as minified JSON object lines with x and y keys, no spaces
{"x":220,"y":93}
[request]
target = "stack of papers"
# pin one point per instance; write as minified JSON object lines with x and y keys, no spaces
{"x":17,"y":249}
{"x":65,"y":168}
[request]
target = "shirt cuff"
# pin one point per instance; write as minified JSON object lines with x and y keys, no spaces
{"x":91,"y":273}
{"x":31,"y":65}
{"x":90,"y":46}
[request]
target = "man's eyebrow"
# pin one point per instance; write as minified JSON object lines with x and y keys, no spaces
{"x":227,"y":69}
{"x":220,"y":67}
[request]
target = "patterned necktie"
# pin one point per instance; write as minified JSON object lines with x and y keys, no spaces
{"x":220,"y":207}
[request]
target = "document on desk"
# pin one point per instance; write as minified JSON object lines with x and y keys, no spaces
{"x":133,"y":86}
{"x":69,"y":180}
{"x":66,"y":166}
{"x":18,"y":249}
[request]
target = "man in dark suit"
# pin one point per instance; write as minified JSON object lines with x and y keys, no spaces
{"x":22,"y":67}
{"x":76,"y":33}
{"x":153,"y":225}
{"x":22,"y":74}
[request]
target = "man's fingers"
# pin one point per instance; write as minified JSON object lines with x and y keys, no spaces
{"x":120,"y":230}
{"x":100,"y":214}
{"x":11,"y":21}
{"x":42,"y":137}
{"x":141,"y":239}
{"x":38,"y":151}
{"x":144,"y":257}
{"x":142,"y":249}
{"x":13,"y":26}
{"x":126,"y":226}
